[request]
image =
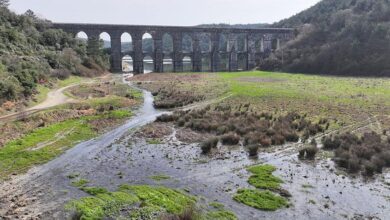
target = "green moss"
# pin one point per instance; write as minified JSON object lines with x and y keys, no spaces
{"x":263,"y":178}
{"x":263,"y":200}
{"x":220,"y":215}
{"x":102,"y":205}
{"x":216,"y":205}
{"x":80,"y":182}
{"x":173,"y":201}
{"x":94,"y":190}
{"x":160,"y":177}
{"x":145,"y":202}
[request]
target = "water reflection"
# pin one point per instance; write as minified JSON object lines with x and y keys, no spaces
{"x":127,"y":65}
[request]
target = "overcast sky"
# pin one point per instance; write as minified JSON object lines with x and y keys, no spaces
{"x":160,"y":12}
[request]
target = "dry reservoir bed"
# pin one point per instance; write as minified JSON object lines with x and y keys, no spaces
{"x":221,"y":181}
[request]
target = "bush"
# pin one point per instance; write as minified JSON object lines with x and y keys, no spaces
{"x":230,"y":139}
{"x":231,"y":125}
{"x":207,"y":145}
{"x":291,"y":137}
{"x":253,"y":150}
{"x":379,"y":163}
{"x":330,"y":143}
{"x":166,"y":118}
{"x":265,"y":141}
{"x":251,"y":138}
{"x":308,"y":153}
{"x":369,"y":168}
{"x":385,"y":156}
{"x":278,"y":139}
{"x":61,"y":74}
{"x":354,"y":165}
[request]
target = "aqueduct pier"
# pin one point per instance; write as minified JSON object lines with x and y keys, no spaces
{"x":257,"y":44}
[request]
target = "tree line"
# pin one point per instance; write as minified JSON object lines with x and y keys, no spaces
{"x":32,"y":53}
{"x":349,"y":37}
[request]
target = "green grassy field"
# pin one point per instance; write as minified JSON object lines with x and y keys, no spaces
{"x":347,"y":100}
{"x":343,"y":90}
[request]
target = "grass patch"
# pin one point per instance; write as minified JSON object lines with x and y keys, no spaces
{"x":262,"y":177}
{"x":44,"y":144}
{"x":94,"y":191}
{"x":102,"y":205}
{"x":70,"y":80}
{"x":143,"y":202}
{"x":134,"y":201}
{"x":160,"y":177}
{"x":216,"y":205}
{"x":153,"y":141}
{"x":173,"y":201}
{"x":263,"y":200}
{"x":219,"y":215}
{"x":41,"y":96}
{"x":80,"y":183}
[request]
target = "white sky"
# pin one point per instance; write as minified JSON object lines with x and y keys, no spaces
{"x":159,"y":12}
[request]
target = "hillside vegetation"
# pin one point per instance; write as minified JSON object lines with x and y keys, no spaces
{"x":349,"y":37}
{"x":31,"y":53}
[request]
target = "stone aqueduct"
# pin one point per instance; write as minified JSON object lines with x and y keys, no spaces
{"x":258,"y":43}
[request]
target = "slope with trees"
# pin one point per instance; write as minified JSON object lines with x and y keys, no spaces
{"x":31,"y":53}
{"x":349,"y":37}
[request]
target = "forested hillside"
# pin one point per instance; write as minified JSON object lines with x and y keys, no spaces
{"x":32,"y":53}
{"x":348,"y":37}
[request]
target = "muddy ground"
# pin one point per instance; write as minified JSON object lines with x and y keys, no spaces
{"x":319,"y":190}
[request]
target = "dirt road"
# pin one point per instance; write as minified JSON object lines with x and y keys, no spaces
{"x":54,"y":98}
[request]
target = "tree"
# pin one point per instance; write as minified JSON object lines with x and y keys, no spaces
{"x":30,"y":13}
{"x":4,"y":3}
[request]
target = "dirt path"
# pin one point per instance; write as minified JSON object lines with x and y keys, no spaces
{"x":54,"y":98}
